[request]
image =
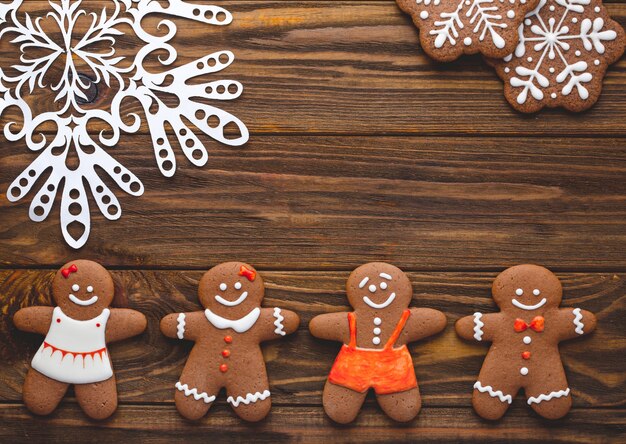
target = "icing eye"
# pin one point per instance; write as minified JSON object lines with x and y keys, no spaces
{"x":519,"y":292}
{"x":536,"y":292}
{"x":223,"y":286}
{"x":383,"y":285}
{"x":75,"y":287}
{"x":90,"y":289}
{"x":238,"y":286}
{"x":372,"y":288}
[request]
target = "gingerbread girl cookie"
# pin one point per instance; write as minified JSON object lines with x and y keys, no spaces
{"x":374,"y":354}
{"x":227,"y":336}
{"x":525,"y":335}
{"x":77,"y":332}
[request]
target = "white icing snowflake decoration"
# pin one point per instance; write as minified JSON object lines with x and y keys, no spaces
{"x":39,"y":52}
{"x":564,"y":50}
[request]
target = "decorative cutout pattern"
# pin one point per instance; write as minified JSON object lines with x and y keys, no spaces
{"x":39,"y":52}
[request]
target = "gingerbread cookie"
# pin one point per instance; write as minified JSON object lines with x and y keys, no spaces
{"x":374,"y":354}
{"x":525,"y":337}
{"x":451,"y":28}
{"x":227,"y":336}
{"x":75,"y":349}
{"x":564,"y":50}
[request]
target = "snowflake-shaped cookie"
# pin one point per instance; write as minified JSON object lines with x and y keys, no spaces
{"x":564,"y":51}
{"x":450,"y":28}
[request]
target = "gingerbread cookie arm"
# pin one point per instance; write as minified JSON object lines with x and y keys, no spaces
{"x":183,"y":325}
{"x":331,"y":326}
{"x":574,"y":322}
{"x":478,"y":327}
{"x":34,"y":319}
{"x":422,"y":323}
{"x":276,"y":323}
{"x":125,"y":323}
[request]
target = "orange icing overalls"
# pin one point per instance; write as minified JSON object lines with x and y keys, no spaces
{"x":389,"y":370}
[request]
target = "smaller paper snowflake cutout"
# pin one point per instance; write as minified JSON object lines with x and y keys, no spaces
{"x":450,"y":28}
{"x":564,"y":51}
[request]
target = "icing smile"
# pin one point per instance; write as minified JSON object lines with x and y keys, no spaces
{"x":539,"y":304}
{"x":234,"y":303}
{"x":385,"y":304}
{"x":82,"y":303}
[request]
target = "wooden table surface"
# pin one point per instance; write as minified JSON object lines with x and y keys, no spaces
{"x":361,"y":149}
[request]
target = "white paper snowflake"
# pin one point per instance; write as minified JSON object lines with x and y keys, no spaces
{"x":39,"y":52}
{"x":450,"y":28}
{"x":564,"y":50}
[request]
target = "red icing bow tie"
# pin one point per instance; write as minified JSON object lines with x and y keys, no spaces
{"x":536,"y":324}
{"x":247,"y":273}
{"x":69,"y":270}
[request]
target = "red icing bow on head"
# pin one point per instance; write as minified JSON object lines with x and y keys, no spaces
{"x":247,"y":273}
{"x":69,"y":270}
{"x":536,"y":324}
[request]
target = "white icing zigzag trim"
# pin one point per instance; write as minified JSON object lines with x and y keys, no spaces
{"x":181,"y":326}
{"x":548,"y":397}
{"x":194,"y":391}
{"x":577,"y":318}
{"x":493,"y":393}
{"x":279,"y":322}
{"x":478,"y":326}
{"x":250,"y":397}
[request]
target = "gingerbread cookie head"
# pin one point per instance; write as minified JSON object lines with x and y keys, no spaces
{"x":231,"y":289}
{"x":527,"y":288}
{"x":378,"y":285}
{"x":82,"y":289}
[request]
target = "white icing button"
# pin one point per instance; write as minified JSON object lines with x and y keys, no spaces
{"x":223,"y":287}
{"x":527,"y":340}
{"x":530,"y":59}
{"x":376,"y":340}
{"x":578,"y":53}
{"x":90,"y":289}
{"x":507,"y":70}
{"x":372,"y":288}
{"x":75,"y":287}
{"x":467,"y":41}
{"x":377,"y":321}
{"x":519,"y":292}
{"x":597,"y":9}
{"x":377,"y":331}
{"x":523,"y":371}
{"x":574,"y":20}
{"x":552,"y":70}
{"x":510,"y":14}
{"x":596,"y":62}
{"x":527,"y":22}
{"x":553,"y":95}
{"x":552,"y":8}
{"x":424,"y":15}
{"x":237,"y":285}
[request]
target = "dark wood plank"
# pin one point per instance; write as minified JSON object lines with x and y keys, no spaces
{"x":336,"y":202}
{"x":356,"y":67}
{"x":155,"y":424}
{"x":147,"y":368}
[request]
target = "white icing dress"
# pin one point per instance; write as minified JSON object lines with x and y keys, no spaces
{"x":74,"y":351}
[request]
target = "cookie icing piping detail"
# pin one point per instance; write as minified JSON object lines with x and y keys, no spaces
{"x":385,"y":304}
{"x":478,"y":326}
{"x":280,"y":328}
{"x":494,"y":393}
{"x":577,"y":321}
{"x":539,"y":304}
{"x":82,"y":303}
{"x":234,"y":303}
{"x":239,"y":325}
{"x":194,"y":391}
{"x":250,"y":397}
{"x":180,"y":328}
{"x":548,"y":397}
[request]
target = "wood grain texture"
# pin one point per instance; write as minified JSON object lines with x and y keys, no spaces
{"x":147,"y":368}
{"x":356,"y":67}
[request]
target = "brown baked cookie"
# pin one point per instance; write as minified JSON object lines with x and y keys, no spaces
{"x":525,"y":335}
{"x":374,"y":354}
{"x":564,"y":50}
{"x":451,"y":28}
{"x":227,"y":336}
{"x":77,"y":332}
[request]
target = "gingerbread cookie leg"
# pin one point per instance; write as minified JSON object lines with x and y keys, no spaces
{"x":42,"y":394}
{"x":251,"y":398}
{"x":550,"y":396}
{"x":342,"y":404}
{"x":494,"y":391}
{"x":196,"y":389}
{"x":99,"y":399}
{"x":403,"y":406}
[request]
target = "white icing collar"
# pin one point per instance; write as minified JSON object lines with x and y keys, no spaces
{"x":239,"y":325}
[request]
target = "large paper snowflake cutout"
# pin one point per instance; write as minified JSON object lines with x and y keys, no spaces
{"x":94,"y":51}
{"x":564,"y":51}
{"x":450,"y":28}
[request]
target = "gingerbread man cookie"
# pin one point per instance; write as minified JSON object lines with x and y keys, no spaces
{"x":525,"y":335}
{"x":75,"y":349}
{"x":374,"y":354}
{"x":227,"y":336}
